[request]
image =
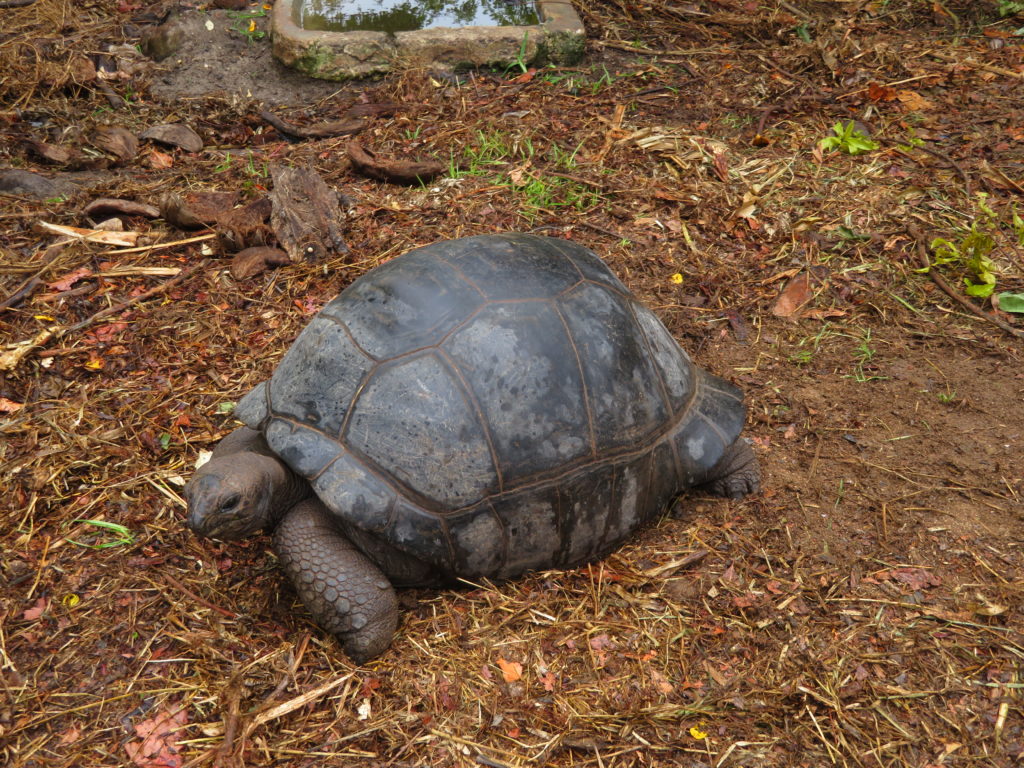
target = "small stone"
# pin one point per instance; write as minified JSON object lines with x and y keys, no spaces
{"x":17,"y":182}
{"x":160,"y":42}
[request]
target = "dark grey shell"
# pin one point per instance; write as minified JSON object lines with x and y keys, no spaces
{"x":493,"y":405}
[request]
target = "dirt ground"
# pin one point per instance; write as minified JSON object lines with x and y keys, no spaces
{"x":865,"y":609}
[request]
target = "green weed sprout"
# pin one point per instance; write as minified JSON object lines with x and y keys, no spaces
{"x":124,"y":536}
{"x":972,"y":254}
{"x":848,"y":139}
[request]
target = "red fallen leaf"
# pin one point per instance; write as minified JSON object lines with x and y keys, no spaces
{"x":160,"y":160}
{"x":33,"y":613}
{"x":915,"y":578}
{"x":515,"y":732}
{"x":105,"y":333}
{"x":730,"y":574}
{"x":307,"y":306}
{"x":721,"y":166}
{"x":526,"y":77}
{"x":370,"y":685}
{"x":600,"y":642}
{"x":878,"y":92}
{"x":158,"y":744}
{"x":510,"y":670}
{"x":72,"y":277}
{"x":744,"y":601}
{"x":661,"y":682}
{"x":645,"y":656}
{"x":70,"y":736}
{"x":796,"y":293}
{"x":548,"y":681}
{"x":9,"y":406}
{"x":602,"y":573}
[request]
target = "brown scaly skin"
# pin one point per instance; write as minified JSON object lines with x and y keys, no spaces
{"x":244,"y":489}
{"x":347,"y":594}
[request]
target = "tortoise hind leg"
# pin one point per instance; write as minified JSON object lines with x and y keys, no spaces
{"x":347,"y":594}
{"x":736,"y":474}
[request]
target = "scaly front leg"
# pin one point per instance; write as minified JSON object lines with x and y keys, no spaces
{"x":347,"y":594}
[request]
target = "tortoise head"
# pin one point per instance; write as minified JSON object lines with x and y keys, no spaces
{"x":234,"y":496}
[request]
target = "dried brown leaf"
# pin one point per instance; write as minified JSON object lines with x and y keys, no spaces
{"x":255,"y":261}
{"x":795,"y":295}
{"x":511,"y":671}
{"x":174,"y":135}
{"x":117,"y":141}
{"x":157,"y":746}
{"x":366,"y":162}
{"x":107,"y":206}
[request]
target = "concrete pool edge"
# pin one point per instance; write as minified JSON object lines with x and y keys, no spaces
{"x":558,"y":39}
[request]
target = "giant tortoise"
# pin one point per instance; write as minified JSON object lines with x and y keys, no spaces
{"x":476,"y":408}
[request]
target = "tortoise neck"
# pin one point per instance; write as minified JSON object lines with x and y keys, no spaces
{"x":288,"y":489}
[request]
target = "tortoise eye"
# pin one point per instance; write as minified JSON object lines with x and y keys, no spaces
{"x":230,"y":504}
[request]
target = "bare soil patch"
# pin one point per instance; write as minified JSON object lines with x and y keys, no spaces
{"x":864,"y":610}
{"x":216,"y":57}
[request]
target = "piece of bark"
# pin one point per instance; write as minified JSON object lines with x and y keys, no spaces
{"x":319,"y":131}
{"x":196,"y":209}
{"x":246,"y":226}
{"x":105,"y":206}
{"x":174,"y":135}
{"x":127,"y":239}
{"x":255,"y":261}
{"x":306,"y":217}
{"x":57,"y":154}
{"x":117,"y":141}
{"x":366,"y":162}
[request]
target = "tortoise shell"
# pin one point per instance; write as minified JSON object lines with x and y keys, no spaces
{"x":493,"y":405}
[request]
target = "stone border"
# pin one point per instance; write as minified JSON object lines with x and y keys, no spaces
{"x":559,"y":38}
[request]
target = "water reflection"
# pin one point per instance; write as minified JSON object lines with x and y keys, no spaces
{"x":404,"y":15}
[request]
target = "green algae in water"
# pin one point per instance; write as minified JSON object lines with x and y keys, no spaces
{"x":407,"y":15}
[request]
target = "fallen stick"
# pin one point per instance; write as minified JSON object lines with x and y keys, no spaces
{"x":156,"y":246}
{"x":23,"y":291}
{"x":318,"y":131}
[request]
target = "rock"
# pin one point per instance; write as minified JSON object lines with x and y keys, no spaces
{"x":160,"y":42}
{"x":18,"y":182}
